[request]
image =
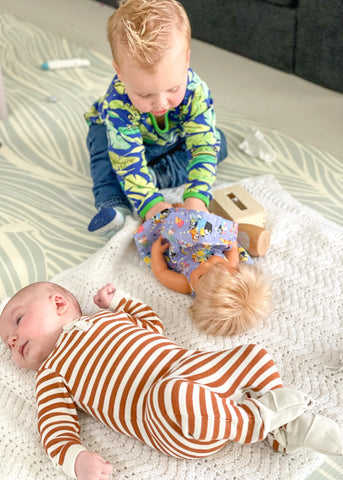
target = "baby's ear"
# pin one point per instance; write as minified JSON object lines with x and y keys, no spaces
{"x":60,"y":303}
{"x":188,"y":58}
{"x":116,"y":68}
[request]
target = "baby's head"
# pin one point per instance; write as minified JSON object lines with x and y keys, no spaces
{"x":150,"y":43}
{"x":33,"y":319}
{"x":231,"y":302}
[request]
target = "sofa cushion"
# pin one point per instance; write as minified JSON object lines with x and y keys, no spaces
{"x":255,"y":29}
{"x":319,"y":53}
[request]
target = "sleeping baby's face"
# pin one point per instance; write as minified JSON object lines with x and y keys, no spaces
{"x":30,"y":325}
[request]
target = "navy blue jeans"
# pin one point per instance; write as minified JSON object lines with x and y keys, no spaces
{"x":169,"y":166}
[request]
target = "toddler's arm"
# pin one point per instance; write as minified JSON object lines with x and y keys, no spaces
{"x":193,"y":203}
{"x":202,"y":141}
{"x":157,"y":208}
{"x":170,"y":279}
{"x":110,"y":298}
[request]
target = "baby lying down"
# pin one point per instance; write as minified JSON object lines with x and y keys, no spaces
{"x":117,"y":366}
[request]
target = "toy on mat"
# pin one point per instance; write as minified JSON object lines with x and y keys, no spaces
{"x":237,"y":205}
{"x":196,"y":252}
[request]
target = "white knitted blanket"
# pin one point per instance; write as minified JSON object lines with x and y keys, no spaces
{"x":303,"y":334}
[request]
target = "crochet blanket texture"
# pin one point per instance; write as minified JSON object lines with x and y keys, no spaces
{"x":303,"y":334}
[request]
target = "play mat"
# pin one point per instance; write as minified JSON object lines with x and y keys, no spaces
{"x":45,"y":205}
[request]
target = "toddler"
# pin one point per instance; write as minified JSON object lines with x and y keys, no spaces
{"x":117,"y":366}
{"x":155,"y":126}
{"x":196,"y":252}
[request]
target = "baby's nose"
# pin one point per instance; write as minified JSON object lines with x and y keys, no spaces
{"x":160,"y":102}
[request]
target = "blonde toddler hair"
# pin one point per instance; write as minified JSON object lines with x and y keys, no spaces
{"x":229,"y":304}
{"x":145,"y":29}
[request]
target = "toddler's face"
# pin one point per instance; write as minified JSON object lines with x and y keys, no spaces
{"x":204,"y":267}
{"x":29,"y":325}
{"x":158,"y":90}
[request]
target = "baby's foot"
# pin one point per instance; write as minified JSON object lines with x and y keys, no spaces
{"x":107,"y":221}
{"x":316,"y":432}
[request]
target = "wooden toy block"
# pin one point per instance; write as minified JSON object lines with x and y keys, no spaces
{"x":237,"y":205}
{"x":256,"y":240}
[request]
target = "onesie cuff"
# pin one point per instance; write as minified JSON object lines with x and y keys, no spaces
{"x":116,"y":299}
{"x":70,"y":458}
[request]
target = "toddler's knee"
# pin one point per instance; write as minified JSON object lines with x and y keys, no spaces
{"x":97,"y":138}
{"x":223,"y":147}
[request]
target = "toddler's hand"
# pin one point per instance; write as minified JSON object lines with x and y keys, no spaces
{"x":158,"y":247}
{"x":91,"y":466}
{"x":193,"y":203}
{"x":157,"y":208}
{"x":104,"y":296}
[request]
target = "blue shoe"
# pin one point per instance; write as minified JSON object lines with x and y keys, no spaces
{"x":107,"y":221}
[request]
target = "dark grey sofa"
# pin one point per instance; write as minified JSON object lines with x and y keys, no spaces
{"x":304,"y":37}
{"x":319,"y":42}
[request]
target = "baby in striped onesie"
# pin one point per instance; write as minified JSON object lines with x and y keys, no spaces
{"x":118,"y":366}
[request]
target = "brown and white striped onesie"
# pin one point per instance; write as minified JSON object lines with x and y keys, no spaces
{"x":118,"y":367}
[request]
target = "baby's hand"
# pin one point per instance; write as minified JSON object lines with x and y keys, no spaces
{"x":91,"y":466}
{"x":104,"y":296}
{"x":158,"y":247}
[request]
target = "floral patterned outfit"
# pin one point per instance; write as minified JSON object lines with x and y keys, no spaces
{"x":130,"y":131}
{"x":193,"y":235}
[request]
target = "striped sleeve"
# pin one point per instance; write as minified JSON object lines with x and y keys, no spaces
{"x":58,"y":422}
{"x":141,"y":315}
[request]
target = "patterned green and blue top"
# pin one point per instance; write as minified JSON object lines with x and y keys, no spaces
{"x":129,"y":130}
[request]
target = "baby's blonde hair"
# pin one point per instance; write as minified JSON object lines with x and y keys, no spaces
{"x":229,"y":304}
{"x":144,"y":29}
